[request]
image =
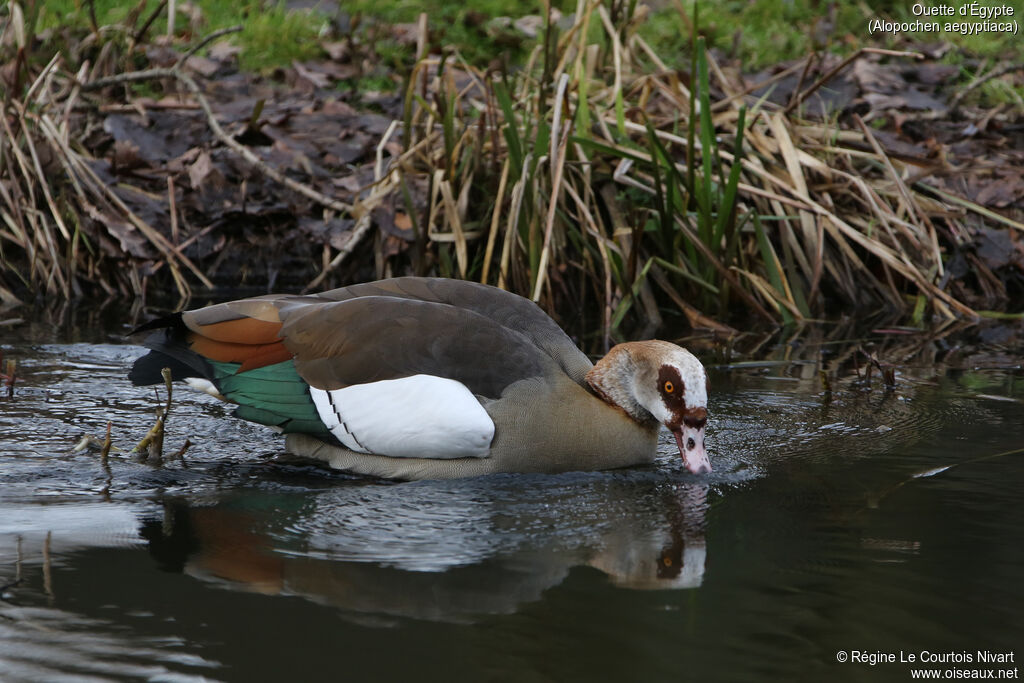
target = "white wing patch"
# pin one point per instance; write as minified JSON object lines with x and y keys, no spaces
{"x":413,"y":417}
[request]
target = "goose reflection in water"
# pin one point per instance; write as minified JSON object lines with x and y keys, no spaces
{"x":386,"y":551}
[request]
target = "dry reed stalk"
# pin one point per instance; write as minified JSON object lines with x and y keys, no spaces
{"x":559,"y":147}
{"x":518,"y":192}
{"x":796,"y":175}
{"x":492,"y":234}
{"x":905,"y":195}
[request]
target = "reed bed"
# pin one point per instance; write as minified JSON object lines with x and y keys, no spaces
{"x":49,"y":189}
{"x":598,"y":172}
{"x":594,"y":180}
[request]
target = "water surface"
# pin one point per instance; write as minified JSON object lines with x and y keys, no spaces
{"x":816,"y":533}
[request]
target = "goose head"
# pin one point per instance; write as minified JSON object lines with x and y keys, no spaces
{"x":659,"y":381}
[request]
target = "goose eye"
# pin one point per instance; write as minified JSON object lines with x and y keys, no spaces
{"x":669,"y":387}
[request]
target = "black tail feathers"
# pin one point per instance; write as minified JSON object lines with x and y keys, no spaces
{"x":170,"y":350}
{"x":147,"y":370}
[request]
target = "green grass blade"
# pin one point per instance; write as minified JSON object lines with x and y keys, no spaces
{"x":583,"y":111}
{"x":1000,"y":315}
{"x":664,"y":215}
{"x":919,"y":307}
{"x":773,"y":267}
{"x":510,"y":129}
{"x":727,"y":211}
{"x":627,"y":301}
{"x":682,"y":272}
{"x":620,"y":113}
{"x":596,"y":146}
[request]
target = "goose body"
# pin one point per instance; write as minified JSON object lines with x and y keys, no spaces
{"x":417,"y":378}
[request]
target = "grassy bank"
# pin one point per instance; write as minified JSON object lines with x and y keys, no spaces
{"x":614,"y":165}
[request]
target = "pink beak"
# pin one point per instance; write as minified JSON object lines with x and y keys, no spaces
{"x":691,"y":447}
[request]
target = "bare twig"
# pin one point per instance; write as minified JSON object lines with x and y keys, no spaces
{"x":204,"y":42}
{"x":363,"y":222}
{"x":798,"y":100}
{"x":977,"y":83}
{"x":141,"y":33}
{"x":10,"y":376}
{"x":92,"y":17}
{"x":172,"y":12}
{"x":153,"y":443}
{"x":355,"y":236}
{"x":785,"y":73}
{"x":105,"y":449}
{"x":180,"y":453}
{"x":811,"y":59}
{"x":172,"y":207}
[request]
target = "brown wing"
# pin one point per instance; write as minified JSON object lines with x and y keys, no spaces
{"x":504,"y":308}
{"x":355,"y":335}
{"x":374,"y":338}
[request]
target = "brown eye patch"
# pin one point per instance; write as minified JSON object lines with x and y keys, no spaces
{"x":671,"y":386}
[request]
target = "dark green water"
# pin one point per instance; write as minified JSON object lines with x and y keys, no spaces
{"x":812,"y":537}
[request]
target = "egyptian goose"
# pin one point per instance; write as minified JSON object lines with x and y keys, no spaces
{"x":425,"y":378}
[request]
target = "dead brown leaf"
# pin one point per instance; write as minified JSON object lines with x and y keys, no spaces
{"x":224,"y":51}
{"x":316,"y":78}
{"x":162,"y":56}
{"x":336,"y":50}
{"x":126,"y":156}
{"x":333,"y":70}
{"x":405,"y":34}
{"x":873,"y":77}
{"x":393,"y":246}
{"x":1002,"y":192}
{"x":333,"y":107}
{"x":909,"y":98}
{"x":130,"y":239}
{"x":348,"y":182}
{"x":160,"y":136}
{"x":203,"y":66}
{"x":334,"y":231}
{"x":203,"y":174}
{"x":933,"y":74}
{"x":999,"y":248}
